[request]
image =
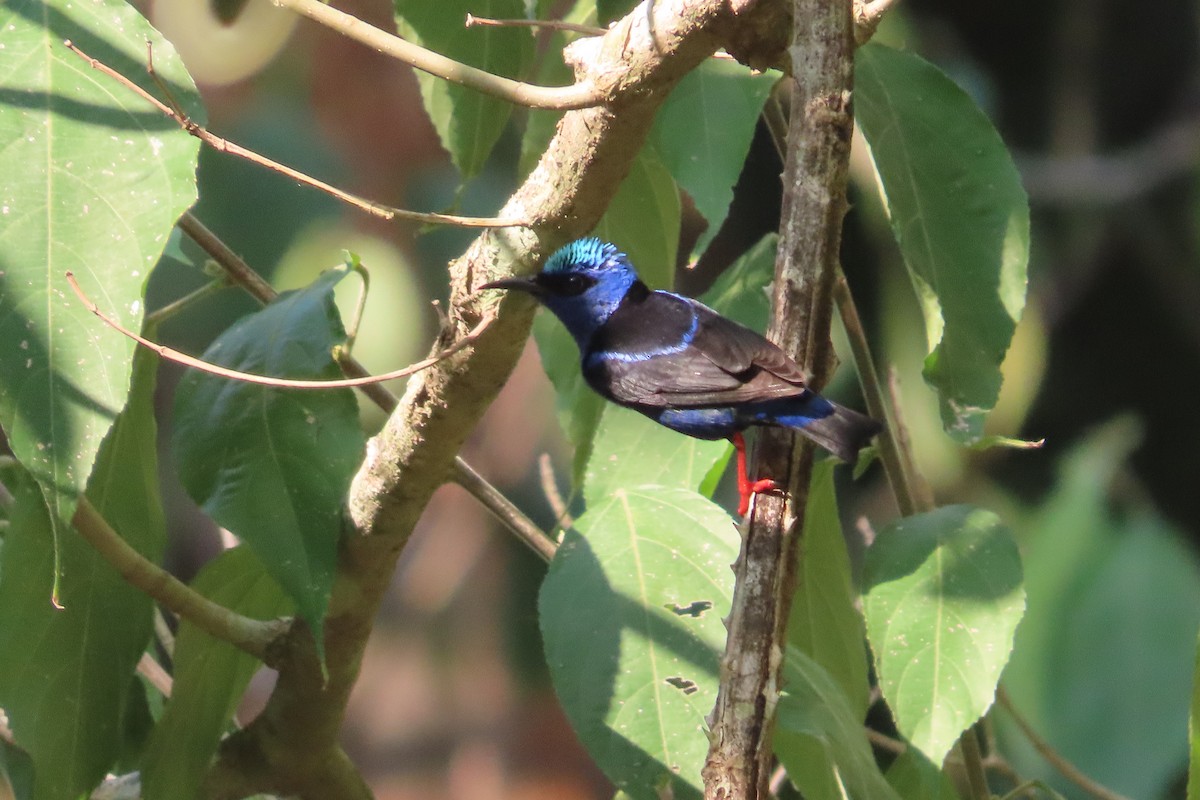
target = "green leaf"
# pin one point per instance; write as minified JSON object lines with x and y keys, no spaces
{"x":703,"y":133}
{"x":210,"y":677}
{"x":65,"y":674}
{"x":273,"y":465}
{"x":633,"y":450}
{"x":631,"y":615}
{"x":943,"y":598}
{"x":1105,"y":654}
{"x":579,"y":408}
{"x":94,"y":181}
{"x":960,"y":216}
{"x":914,"y":777}
{"x":821,"y":740}
{"x":467,"y":121}
{"x":824,"y":623}
{"x":551,"y":71}
{"x":1193,"y":783}
{"x":643,"y":220}
{"x":16,"y":772}
{"x":742,"y":292}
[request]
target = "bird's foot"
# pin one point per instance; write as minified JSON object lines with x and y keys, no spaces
{"x":751,"y":488}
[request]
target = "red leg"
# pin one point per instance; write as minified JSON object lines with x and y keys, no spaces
{"x":746,"y":487}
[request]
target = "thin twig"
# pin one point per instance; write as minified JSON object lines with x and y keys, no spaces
{"x":1056,"y":759}
{"x":159,"y":316}
{"x":495,"y":501}
{"x":264,"y":380}
{"x":877,"y":401}
{"x":922,"y":494}
{"x":550,"y":490}
{"x":249,"y":635}
{"x":561,"y":98}
{"x":547,"y":24}
{"x":226,"y":146}
{"x":968,"y":745}
{"x":153,"y":672}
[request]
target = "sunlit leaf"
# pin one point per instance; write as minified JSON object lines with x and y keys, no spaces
{"x":94,"y":179}
{"x":65,"y":674}
{"x":943,"y":596}
{"x":960,"y":216}
{"x":631,"y":615}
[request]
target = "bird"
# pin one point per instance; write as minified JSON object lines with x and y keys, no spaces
{"x":679,"y":362}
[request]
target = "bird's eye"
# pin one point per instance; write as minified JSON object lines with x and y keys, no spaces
{"x":566,"y":284}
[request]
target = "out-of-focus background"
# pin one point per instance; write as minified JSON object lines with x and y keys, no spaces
{"x":1099,"y":102}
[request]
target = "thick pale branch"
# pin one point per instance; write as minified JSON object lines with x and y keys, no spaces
{"x":579,"y":95}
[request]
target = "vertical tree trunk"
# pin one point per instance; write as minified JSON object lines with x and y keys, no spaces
{"x":814,"y":203}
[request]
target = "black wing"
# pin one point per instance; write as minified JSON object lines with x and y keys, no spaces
{"x":660,"y":349}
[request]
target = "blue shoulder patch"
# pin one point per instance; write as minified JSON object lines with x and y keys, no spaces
{"x":590,"y":251}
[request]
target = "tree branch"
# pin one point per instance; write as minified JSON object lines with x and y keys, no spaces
{"x":814,"y":203}
{"x":579,"y":95}
{"x":250,"y":635}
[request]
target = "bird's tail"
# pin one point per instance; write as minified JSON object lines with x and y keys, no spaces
{"x":843,"y":433}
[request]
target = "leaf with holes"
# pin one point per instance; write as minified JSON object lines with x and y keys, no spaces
{"x":94,"y":179}
{"x":273,"y":465}
{"x":631,"y":614}
{"x":960,"y":216}
{"x":943,"y":596}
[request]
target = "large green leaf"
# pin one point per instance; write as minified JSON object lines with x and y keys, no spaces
{"x":632,"y":450}
{"x":467,"y":121}
{"x":273,"y":465}
{"x":820,"y":738}
{"x":703,"y":133}
{"x":1104,"y":658}
{"x":943,"y":598}
{"x":825,"y":624}
{"x":960,"y":216}
{"x":94,"y":179}
{"x":210,"y":677}
{"x":65,"y":674}
{"x":1193,"y":784}
{"x":631,"y":615}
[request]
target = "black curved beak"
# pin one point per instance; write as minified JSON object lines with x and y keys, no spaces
{"x":529,"y":285}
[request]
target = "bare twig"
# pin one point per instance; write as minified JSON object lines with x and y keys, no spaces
{"x":579,"y":95}
{"x":877,"y":404}
{"x":265,"y":380}
{"x":1056,"y":759}
{"x":495,"y":501}
{"x":225,"y":146}
{"x":547,"y":24}
{"x":550,"y":489}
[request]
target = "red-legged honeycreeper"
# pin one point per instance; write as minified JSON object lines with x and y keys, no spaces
{"x":679,"y":362}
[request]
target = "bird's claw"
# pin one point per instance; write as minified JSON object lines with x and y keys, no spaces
{"x":753,"y":488}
